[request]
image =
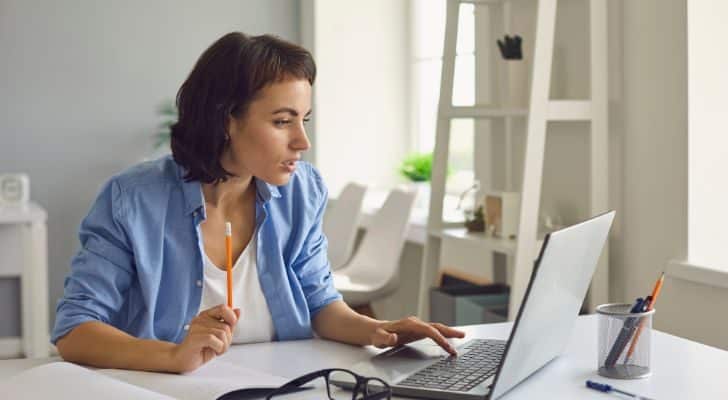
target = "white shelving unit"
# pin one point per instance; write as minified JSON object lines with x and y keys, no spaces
{"x":24,"y":255}
{"x":522,"y":251}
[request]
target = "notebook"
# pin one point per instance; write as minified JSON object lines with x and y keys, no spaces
{"x":63,"y":380}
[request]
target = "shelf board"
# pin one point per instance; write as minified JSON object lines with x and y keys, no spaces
{"x":500,"y":245}
{"x":495,"y":244}
{"x":569,"y":110}
{"x":558,"y":110}
{"x":483,"y":2}
{"x":483,"y":112}
{"x":27,"y":213}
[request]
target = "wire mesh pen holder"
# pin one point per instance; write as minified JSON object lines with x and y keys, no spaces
{"x":624,"y":341}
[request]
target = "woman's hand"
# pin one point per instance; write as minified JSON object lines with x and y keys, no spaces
{"x":395,"y":333}
{"x":209,"y":335}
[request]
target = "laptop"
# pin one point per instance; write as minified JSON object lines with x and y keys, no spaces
{"x":488,"y":368}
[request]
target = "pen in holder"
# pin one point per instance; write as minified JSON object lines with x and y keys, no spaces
{"x":624,"y":341}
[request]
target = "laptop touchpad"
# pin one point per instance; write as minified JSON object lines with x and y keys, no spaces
{"x":413,"y":351}
{"x":395,"y":364}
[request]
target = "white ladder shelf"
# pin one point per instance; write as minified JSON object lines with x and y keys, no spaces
{"x":541,"y":110}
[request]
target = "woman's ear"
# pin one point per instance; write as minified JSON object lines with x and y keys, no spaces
{"x":231,"y":125}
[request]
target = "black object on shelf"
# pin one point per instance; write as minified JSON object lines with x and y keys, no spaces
{"x":510,"y":47}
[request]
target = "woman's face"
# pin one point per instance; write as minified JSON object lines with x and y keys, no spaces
{"x":268,"y":140}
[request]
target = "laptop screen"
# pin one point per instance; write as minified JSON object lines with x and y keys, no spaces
{"x":559,"y":282}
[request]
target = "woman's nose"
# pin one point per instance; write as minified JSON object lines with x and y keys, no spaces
{"x":300,"y":141}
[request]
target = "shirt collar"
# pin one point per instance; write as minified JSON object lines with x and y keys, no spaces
{"x":265,"y":190}
{"x":192,"y":191}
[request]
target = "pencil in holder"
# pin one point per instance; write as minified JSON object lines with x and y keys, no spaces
{"x":624,"y":341}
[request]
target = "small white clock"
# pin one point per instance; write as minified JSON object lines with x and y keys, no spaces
{"x":14,"y":189}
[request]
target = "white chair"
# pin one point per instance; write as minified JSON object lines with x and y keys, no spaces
{"x":341,"y":222}
{"x":373,"y":272}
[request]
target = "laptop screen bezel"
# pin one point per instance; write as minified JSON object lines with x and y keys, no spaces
{"x":518,"y":316}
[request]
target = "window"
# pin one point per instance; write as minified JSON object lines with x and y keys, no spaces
{"x":707,"y":140}
{"x":428,"y":33}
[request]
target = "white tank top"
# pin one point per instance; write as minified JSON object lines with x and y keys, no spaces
{"x":255,"y":323}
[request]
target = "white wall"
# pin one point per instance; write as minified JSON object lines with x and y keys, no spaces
{"x":361,"y":103}
{"x":654,"y":213}
{"x":79,"y":84}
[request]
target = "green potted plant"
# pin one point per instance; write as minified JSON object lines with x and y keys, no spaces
{"x":167,"y":110}
{"x":417,"y":167}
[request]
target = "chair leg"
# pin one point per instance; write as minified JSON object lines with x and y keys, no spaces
{"x":365,"y":309}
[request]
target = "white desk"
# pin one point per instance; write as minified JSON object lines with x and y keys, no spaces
{"x":24,"y":254}
{"x":681,"y":369}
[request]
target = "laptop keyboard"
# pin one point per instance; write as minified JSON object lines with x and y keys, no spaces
{"x":477,"y":362}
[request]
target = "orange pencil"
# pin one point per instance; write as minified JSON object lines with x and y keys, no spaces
{"x":229,"y":262}
{"x":650,"y":306}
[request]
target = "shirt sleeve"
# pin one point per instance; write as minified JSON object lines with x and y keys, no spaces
{"x":102,"y":270}
{"x":312,"y":264}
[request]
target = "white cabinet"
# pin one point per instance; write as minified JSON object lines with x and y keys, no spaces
{"x":24,"y":255}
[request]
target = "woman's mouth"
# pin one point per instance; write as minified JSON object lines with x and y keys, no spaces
{"x":289,"y":165}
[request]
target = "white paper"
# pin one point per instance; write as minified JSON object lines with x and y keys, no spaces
{"x":67,"y":381}
{"x":208,"y":382}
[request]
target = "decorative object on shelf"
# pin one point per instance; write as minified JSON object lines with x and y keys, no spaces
{"x":476,"y":223}
{"x":517,"y":70}
{"x":473,"y":213}
{"x":510,"y":47}
{"x":501,"y":213}
{"x":14,"y":190}
{"x":169,"y":114}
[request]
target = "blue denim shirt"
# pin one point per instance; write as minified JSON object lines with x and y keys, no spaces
{"x":140,"y":264}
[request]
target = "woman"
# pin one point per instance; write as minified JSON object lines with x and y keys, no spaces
{"x":147,"y":289}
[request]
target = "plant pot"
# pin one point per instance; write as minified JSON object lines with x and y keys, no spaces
{"x":422,"y":199}
{"x":475,"y":225}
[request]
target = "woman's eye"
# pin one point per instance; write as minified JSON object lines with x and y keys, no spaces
{"x":305,"y":120}
{"x":281,"y":122}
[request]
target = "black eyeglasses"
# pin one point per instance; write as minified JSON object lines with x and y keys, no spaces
{"x":364,"y":387}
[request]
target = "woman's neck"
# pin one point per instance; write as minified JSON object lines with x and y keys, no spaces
{"x":228,"y":194}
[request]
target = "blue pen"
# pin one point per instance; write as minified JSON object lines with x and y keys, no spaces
{"x":603,"y":387}
{"x":625,"y":334}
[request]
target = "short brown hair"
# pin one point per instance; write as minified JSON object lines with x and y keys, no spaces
{"x":223,"y":83}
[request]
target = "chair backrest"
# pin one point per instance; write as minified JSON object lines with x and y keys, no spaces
{"x":341,"y":222}
{"x":377,"y":259}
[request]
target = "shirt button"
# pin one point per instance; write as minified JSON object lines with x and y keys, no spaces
{"x":198,"y":283}
{"x":186,"y":327}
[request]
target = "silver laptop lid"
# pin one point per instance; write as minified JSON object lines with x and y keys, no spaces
{"x":552,"y":301}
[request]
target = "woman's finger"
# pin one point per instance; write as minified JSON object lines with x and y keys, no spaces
{"x":222,"y":312}
{"x":426,"y":330}
{"x":382,"y":338}
{"x":204,"y":325}
{"x":223,"y":336}
{"x":435,"y":335}
{"x":447,"y":331}
{"x":213,"y":342}
{"x":213,"y":324}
